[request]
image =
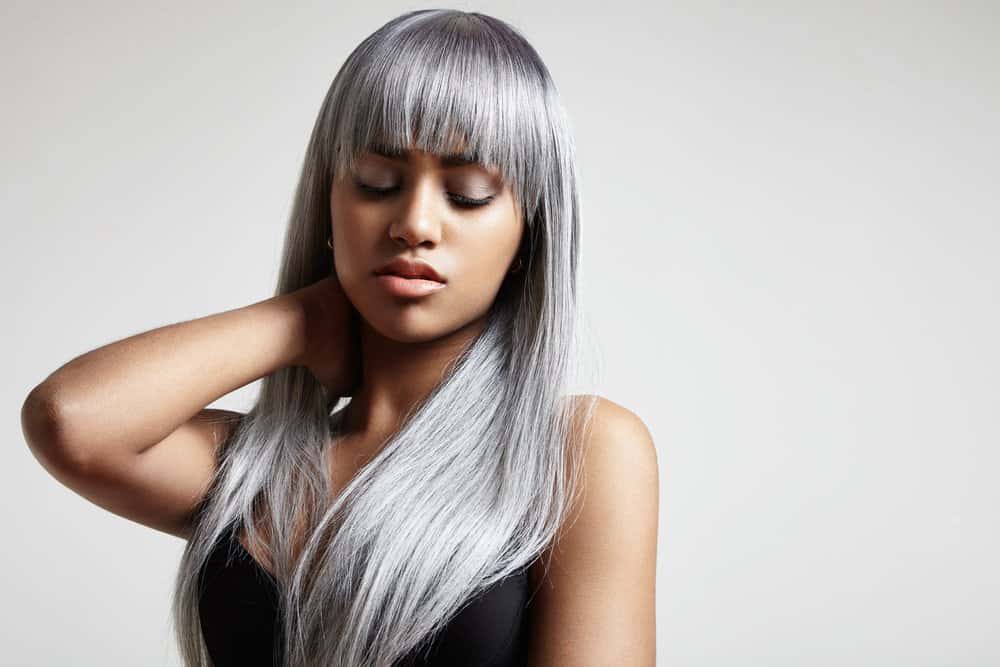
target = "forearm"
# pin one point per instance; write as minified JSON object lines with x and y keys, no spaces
{"x":130,"y":394}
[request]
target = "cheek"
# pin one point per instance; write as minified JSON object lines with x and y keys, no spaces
{"x":349,"y":241}
{"x":348,"y":259}
{"x":486,"y":260}
{"x":349,"y":256}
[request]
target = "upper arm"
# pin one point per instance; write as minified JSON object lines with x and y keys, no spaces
{"x":596,"y":602}
{"x":162,"y":485}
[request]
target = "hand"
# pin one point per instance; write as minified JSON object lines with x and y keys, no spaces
{"x":331,"y":350}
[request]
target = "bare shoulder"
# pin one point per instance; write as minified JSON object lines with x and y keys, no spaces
{"x":614,"y":429}
{"x":616,"y":445}
{"x":594,"y":588}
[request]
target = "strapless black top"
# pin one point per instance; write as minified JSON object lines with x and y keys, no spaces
{"x":240,"y":618}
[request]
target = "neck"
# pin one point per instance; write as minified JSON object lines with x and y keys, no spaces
{"x":398,"y":375}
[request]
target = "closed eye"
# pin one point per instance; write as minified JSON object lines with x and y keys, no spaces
{"x":459,"y":200}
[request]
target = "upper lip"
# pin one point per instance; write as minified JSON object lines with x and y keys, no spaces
{"x":410,"y":268}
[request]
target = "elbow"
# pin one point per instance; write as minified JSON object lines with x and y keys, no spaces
{"x":44,"y":427}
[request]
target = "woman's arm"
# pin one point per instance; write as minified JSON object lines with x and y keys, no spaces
{"x":125,"y":425}
{"x":596,"y":603}
{"x":126,"y":396}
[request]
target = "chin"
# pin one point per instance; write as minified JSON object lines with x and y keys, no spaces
{"x":418,"y":320}
{"x":404,"y":322}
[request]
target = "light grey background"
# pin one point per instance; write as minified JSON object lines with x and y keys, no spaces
{"x":790,"y":261}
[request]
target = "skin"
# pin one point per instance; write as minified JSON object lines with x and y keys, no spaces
{"x":594,"y":588}
{"x":472,"y":248}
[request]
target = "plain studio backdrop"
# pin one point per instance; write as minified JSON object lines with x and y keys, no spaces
{"x":790,"y":267}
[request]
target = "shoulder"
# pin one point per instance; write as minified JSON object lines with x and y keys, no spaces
{"x":616,"y":430}
{"x":618,"y":506}
{"x":595,"y":586}
{"x":617,"y":449}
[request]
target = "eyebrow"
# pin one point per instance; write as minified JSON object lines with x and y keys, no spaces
{"x":448,"y":159}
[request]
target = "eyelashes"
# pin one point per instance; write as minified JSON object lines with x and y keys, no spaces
{"x":458,"y":200}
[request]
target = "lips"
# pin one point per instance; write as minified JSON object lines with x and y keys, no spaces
{"x":410,"y":268}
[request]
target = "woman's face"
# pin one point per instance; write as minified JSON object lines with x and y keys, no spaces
{"x":458,"y":217}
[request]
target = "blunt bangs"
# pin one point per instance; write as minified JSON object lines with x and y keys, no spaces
{"x":461,"y":89}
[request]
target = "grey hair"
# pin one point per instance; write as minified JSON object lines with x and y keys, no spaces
{"x":485,"y":470}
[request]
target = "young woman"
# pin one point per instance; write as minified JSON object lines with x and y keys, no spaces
{"x":462,"y":508}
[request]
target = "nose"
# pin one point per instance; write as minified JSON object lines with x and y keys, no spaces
{"x":418,"y":218}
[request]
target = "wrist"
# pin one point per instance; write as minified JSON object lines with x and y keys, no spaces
{"x":289,"y":318}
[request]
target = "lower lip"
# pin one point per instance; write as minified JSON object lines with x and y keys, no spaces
{"x":407,"y":287}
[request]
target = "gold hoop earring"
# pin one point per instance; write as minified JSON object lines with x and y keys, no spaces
{"x":329,"y":242}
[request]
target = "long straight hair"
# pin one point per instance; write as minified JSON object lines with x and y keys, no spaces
{"x":484,"y":471}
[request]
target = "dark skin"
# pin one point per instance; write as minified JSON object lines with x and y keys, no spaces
{"x":116,"y":424}
{"x":426,"y":215}
{"x":594,"y":586}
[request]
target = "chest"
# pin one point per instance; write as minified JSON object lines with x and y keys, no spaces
{"x":241,"y":618}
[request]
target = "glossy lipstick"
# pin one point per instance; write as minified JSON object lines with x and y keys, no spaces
{"x":407,"y":287}
{"x":409,"y":278}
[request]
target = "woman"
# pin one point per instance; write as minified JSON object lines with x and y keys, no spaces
{"x":429,"y":277}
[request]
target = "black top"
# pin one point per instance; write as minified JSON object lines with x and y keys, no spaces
{"x":239,"y":612}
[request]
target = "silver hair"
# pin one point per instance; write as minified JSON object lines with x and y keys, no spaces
{"x":483,"y":472}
